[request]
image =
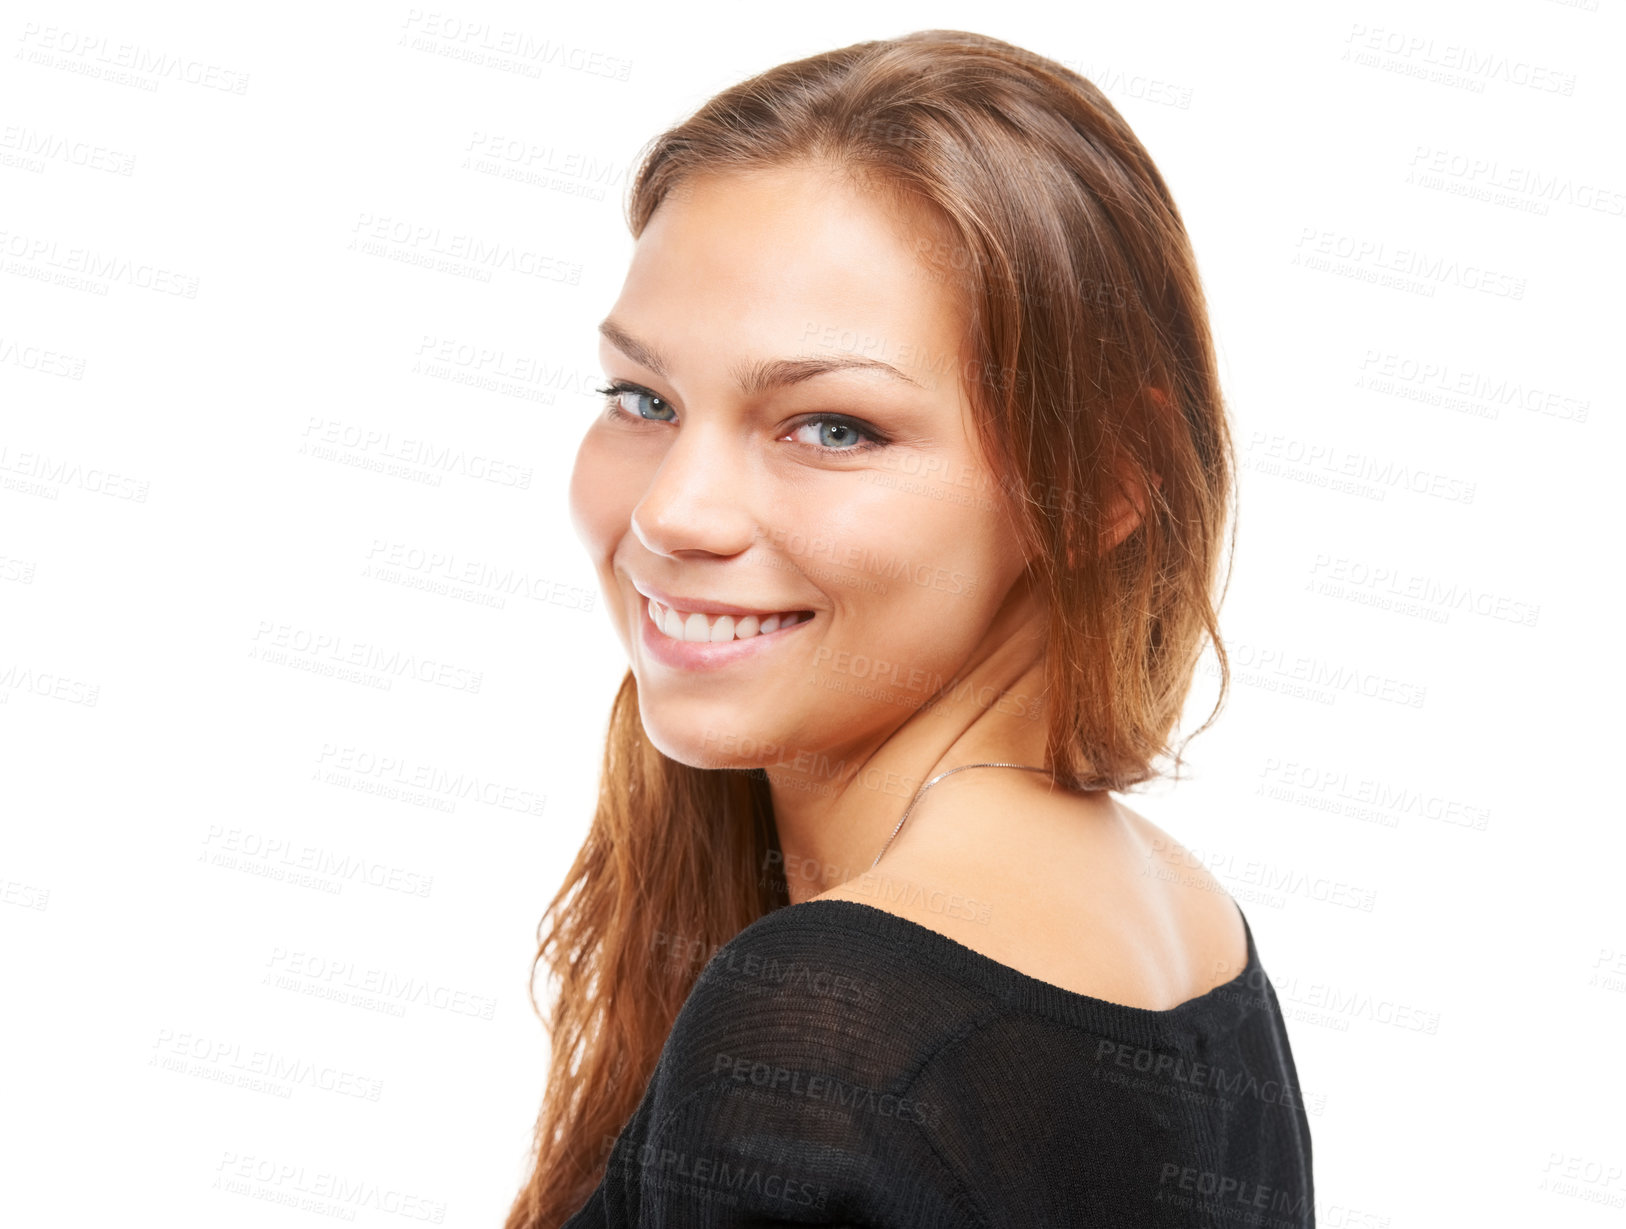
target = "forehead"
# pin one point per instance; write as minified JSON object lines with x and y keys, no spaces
{"x":790,"y":259}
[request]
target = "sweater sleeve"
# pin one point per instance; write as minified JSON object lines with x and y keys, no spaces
{"x":782,"y":1103}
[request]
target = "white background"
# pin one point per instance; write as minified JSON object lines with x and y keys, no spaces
{"x":205,"y":513}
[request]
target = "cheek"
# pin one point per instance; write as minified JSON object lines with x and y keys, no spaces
{"x":604,"y":489}
{"x":910,"y":569}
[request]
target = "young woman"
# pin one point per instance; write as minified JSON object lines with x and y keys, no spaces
{"x":913,"y":461}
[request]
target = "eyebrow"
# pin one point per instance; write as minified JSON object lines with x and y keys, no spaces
{"x":759,"y":376}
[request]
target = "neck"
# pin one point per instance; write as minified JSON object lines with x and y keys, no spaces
{"x":835,"y":811}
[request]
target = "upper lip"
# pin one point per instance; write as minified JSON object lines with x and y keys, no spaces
{"x":708,"y":606}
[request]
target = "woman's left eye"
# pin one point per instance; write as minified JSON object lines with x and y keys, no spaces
{"x":839,"y":435}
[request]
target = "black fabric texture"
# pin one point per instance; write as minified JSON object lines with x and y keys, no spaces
{"x":837,"y":1064}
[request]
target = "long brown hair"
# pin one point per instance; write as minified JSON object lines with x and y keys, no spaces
{"x":1092,"y":342}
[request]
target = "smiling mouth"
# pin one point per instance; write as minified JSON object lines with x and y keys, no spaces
{"x":697,"y":628}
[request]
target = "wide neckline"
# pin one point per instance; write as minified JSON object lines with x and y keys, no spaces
{"x":1019,"y":989}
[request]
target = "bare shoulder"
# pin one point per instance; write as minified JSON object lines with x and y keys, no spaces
{"x":1207,"y":919}
{"x":1085,"y":894}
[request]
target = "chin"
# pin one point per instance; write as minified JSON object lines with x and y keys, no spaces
{"x":718,"y":739}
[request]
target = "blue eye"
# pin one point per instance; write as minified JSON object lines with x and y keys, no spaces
{"x":840,"y":435}
{"x":618,"y":392}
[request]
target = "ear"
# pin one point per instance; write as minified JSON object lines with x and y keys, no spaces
{"x":1126,"y":509}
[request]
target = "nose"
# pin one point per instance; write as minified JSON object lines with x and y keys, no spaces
{"x":697,"y":499}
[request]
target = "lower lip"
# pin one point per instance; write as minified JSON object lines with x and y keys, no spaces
{"x":708,"y":655}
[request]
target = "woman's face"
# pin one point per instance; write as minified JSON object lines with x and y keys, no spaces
{"x":790,"y":473}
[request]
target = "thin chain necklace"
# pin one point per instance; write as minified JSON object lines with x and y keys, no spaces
{"x":934,"y":781}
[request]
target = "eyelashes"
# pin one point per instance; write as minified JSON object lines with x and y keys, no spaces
{"x":870,"y":438}
{"x":616,"y":389}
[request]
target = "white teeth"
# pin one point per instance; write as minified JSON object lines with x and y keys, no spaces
{"x":697,"y":628}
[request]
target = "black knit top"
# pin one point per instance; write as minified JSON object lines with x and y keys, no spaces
{"x":836,"y":1064}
